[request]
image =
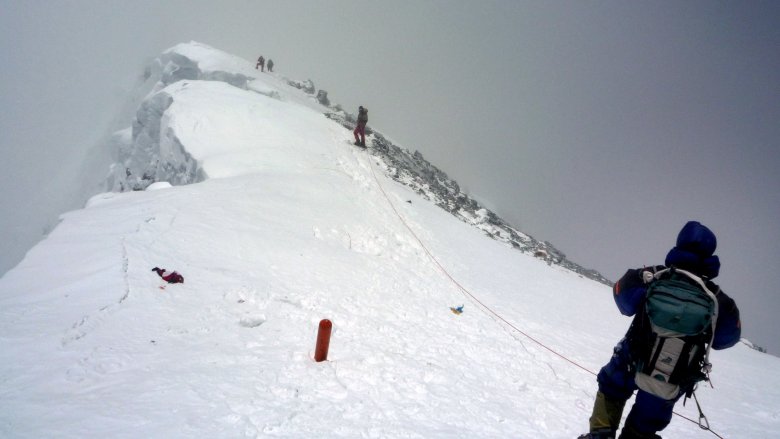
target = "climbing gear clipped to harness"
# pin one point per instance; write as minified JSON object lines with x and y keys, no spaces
{"x":704,"y":424}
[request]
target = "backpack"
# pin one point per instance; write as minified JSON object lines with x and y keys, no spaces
{"x":677,"y":326}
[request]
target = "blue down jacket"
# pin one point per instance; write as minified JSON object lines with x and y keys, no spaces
{"x":630,"y":290}
{"x":694,"y":252}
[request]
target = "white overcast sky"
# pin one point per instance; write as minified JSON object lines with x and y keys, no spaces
{"x":600,"y":126}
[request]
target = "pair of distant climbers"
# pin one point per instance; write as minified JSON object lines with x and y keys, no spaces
{"x":261,"y":64}
{"x":679,"y":314}
{"x":360,"y":129}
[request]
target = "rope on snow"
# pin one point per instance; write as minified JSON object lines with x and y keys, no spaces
{"x":486,"y":309}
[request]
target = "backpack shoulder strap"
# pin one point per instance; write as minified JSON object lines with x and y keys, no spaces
{"x":703,"y":284}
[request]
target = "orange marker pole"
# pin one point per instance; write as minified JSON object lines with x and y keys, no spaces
{"x":323,"y":340}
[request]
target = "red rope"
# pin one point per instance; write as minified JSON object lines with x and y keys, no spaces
{"x":486,"y":308}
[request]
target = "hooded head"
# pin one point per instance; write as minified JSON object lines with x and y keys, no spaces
{"x":695,"y":251}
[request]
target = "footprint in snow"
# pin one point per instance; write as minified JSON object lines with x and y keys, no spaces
{"x":252,"y":322}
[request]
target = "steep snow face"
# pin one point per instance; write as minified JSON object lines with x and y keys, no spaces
{"x":289,"y":226}
{"x":155,"y":151}
{"x":207,"y":126}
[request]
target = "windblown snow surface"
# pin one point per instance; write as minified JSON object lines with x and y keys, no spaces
{"x":284,"y":224}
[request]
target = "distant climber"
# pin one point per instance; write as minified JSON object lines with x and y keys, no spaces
{"x":171,"y":277}
{"x":360,"y":129}
{"x":679,"y":314}
{"x":270,"y":65}
{"x":260,"y":63}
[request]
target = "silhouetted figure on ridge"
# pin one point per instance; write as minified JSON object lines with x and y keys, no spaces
{"x":360,"y":129}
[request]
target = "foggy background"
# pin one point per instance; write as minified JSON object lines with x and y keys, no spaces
{"x":601,"y":127}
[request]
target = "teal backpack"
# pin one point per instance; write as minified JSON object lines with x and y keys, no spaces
{"x":679,"y":317}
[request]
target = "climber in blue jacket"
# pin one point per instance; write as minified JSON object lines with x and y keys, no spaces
{"x":694,"y":253}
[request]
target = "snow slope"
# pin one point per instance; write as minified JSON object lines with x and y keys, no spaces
{"x":285,"y":224}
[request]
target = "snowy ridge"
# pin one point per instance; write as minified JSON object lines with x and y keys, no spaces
{"x":153,"y":155}
{"x":153,"y":152}
{"x":290,"y":225}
